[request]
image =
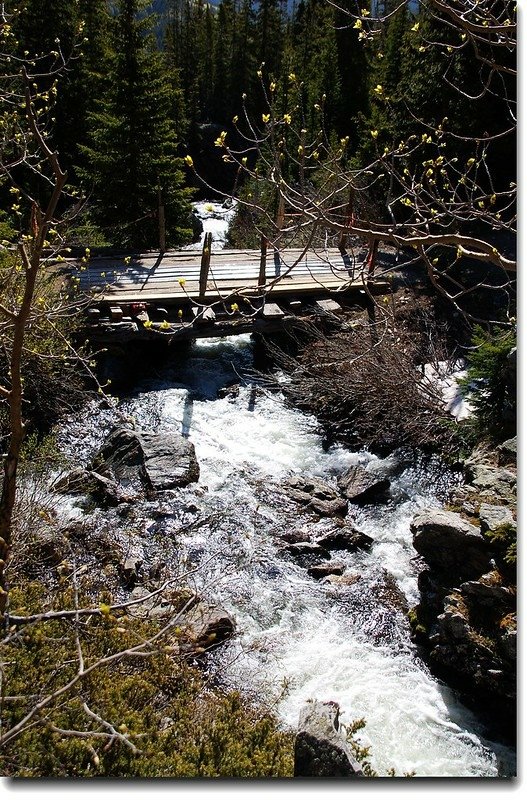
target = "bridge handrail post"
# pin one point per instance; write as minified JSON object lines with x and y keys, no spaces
{"x":205,"y":264}
{"x":263,"y":264}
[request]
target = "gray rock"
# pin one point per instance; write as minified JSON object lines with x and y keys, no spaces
{"x":492,"y":517}
{"x":207,"y":626}
{"x":294,"y":536}
{"x":361,"y":486}
{"x":453,"y":625}
{"x":83,"y":481}
{"x":323,"y":570}
{"x":450,"y":544}
{"x":155,"y":461}
{"x":346,"y":539}
{"x":317,"y":495}
{"x":487,"y":595}
{"x":497,"y":480}
{"x":130,"y":568}
{"x":169,"y":460}
{"x":508,"y":452}
{"x":306,"y":554}
{"x":321,"y":751}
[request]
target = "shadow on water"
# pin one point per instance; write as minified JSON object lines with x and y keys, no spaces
{"x":252,"y":397}
{"x":188,"y":410}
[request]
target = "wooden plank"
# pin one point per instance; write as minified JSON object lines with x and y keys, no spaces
{"x":263,"y":262}
{"x":272,"y":311}
{"x":328,"y":306}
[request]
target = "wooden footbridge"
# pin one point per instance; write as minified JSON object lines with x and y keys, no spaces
{"x":188,"y":294}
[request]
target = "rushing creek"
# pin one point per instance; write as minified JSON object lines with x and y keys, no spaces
{"x":297,"y":638}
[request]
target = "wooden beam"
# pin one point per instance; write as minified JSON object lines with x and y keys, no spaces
{"x":263,"y":264}
{"x":328,"y":306}
{"x":272,"y":311}
{"x":205,"y":264}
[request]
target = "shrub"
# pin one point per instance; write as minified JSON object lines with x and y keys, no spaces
{"x":164,"y":707}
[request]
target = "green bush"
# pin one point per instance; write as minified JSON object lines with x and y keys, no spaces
{"x":181,"y":726}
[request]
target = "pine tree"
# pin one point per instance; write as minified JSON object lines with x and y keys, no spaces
{"x":316,"y":62}
{"x":133,"y":143}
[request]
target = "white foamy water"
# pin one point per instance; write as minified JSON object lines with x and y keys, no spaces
{"x":298,"y":638}
{"x":215,"y":218}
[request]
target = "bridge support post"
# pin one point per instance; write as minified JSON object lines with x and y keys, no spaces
{"x":263,"y":264}
{"x":205,"y":264}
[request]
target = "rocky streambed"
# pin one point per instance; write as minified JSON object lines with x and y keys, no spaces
{"x":298,"y":560}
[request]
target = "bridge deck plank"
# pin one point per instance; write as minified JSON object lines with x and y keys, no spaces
{"x":152,"y":276}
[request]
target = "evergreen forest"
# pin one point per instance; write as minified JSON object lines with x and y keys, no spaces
{"x":238,"y":501}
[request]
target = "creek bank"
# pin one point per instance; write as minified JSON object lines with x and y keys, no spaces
{"x":342,"y":637}
{"x":466,"y":617}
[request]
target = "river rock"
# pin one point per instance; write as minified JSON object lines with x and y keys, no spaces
{"x":489,"y":595}
{"x":450,"y":544}
{"x":169,"y":460}
{"x":82,"y":481}
{"x":361,"y":486}
{"x":130,"y":567}
{"x":319,"y":571}
{"x":316,"y":495}
{"x":206,"y":626}
{"x":346,"y":539}
{"x":494,"y":481}
{"x":294,"y":536}
{"x":342,"y":581}
{"x":155,"y":461}
{"x":473,"y":660}
{"x":306,"y":554}
{"x":321,"y":750}
{"x":493,"y":517}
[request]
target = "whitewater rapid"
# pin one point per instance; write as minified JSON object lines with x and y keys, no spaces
{"x":298,"y":638}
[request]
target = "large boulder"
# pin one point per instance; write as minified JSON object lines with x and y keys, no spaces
{"x":321,"y":751}
{"x":154,"y":461}
{"x":316,"y":495}
{"x":480,"y":664}
{"x":169,"y":460}
{"x":360,"y":485}
{"x":450,"y":545}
